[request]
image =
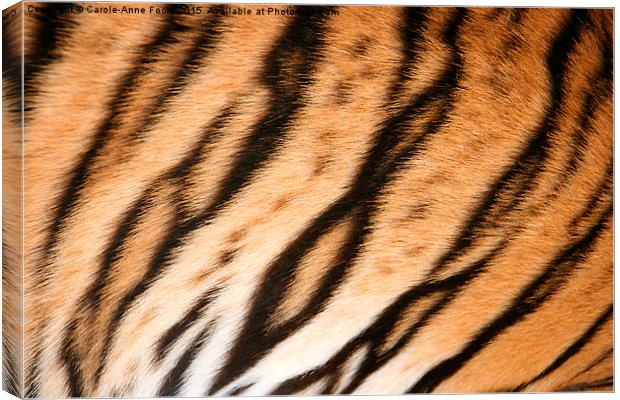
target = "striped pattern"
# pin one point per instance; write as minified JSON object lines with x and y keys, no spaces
{"x":347,"y":200}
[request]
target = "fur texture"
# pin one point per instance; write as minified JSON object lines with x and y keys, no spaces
{"x":366,"y":200}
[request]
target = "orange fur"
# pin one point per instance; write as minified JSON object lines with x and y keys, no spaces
{"x":373,"y":200}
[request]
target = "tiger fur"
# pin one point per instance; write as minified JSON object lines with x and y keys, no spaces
{"x":371,"y":200}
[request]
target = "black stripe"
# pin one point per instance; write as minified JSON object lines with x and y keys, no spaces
{"x":90,"y":301}
{"x":591,"y":104}
{"x":72,"y":193}
{"x":332,"y":381}
{"x":378,"y":333}
{"x":81,"y":173}
{"x":371,"y":339}
{"x":600,"y":88}
{"x":172,"y":239}
{"x":383,"y":161}
{"x":601,"y":193}
{"x":53,"y":26}
{"x":141,"y":206}
{"x":451,"y":287}
{"x":572,"y":349}
{"x":414,"y":21}
{"x":519,"y":178}
{"x":563,"y":45}
{"x":173,"y":380}
{"x":126,"y":228}
{"x":287,"y":81}
{"x":181,"y":170}
{"x":590,"y":386}
{"x":287,"y":73}
{"x":597,"y":361}
{"x":375,"y":335}
{"x":175,"y":331}
{"x":192,"y":61}
{"x":12,"y":60}
{"x":71,"y":362}
{"x":529,"y":300}
{"x":237,"y":391}
{"x":298,"y":383}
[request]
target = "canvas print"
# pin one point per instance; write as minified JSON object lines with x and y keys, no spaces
{"x":248,"y":199}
